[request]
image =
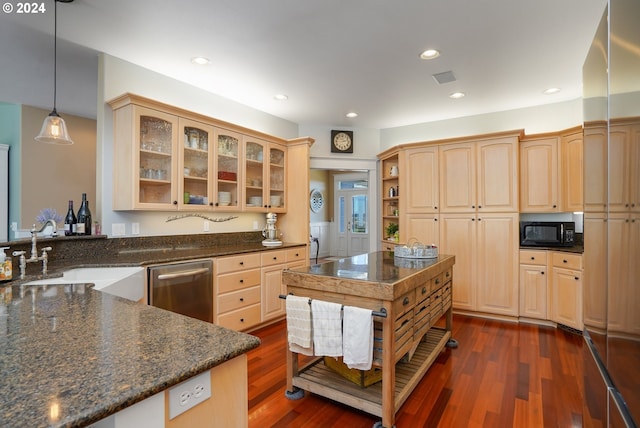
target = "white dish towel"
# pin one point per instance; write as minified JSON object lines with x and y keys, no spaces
{"x":299,"y":324}
{"x":327,"y":328}
{"x":357,"y":338}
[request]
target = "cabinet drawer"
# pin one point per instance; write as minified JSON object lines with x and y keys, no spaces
{"x":404,"y":334}
{"x":240,"y":319}
{"x":567,"y":260}
{"x":421,"y":319}
{"x":533,"y":257}
{"x":404,"y":303}
{"x":296,"y":254}
{"x":237,"y":281}
{"x":269,"y":258}
{"x":238,"y":299}
{"x":437,"y":282}
{"x":236,"y":263}
{"x":423,"y":292}
{"x":437,"y":308}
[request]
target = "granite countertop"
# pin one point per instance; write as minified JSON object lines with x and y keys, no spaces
{"x":71,"y":355}
{"x":578,"y":249}
{"x":378,"y":266}
{"x":139,"y":256}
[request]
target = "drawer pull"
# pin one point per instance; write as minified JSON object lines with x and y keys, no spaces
{"x":448,"y":274}
{"x":241,"y":263}
{"x":533,"y":258}
{"x":424,"y":290}
{"x":404,"y":323}
{"x":405,"y":301}
{"x":242,"y":299}
{"x":242,"y":281}
{"x":275,"y":258}
{"x":241,"y":319}
{"x":437,"y":281}
{"x":576,"y":278}
{"x":564,"y":261}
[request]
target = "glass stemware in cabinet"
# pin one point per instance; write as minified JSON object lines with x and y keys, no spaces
{"x":195,"y":166}
{"x":228,"y":168}
{"x":254,"y":175}
{"x":155,"y":160}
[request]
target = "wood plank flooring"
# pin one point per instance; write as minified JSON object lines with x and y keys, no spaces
{"x":501,"y":375}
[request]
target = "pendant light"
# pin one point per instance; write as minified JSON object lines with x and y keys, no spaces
{"x":54,"y":130}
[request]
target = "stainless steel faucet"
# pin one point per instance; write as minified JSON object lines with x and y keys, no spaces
{"x":34,"y":249}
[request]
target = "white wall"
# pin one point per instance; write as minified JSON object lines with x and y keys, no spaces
{"x":117,"y":77}
{"x":534,"y":120}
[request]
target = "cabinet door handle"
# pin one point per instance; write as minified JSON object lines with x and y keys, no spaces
{"x":242,"y":299}
{"x":533,"y":258}
{"x":576,"y":278}
{"x":241,"y":319}
{"x":479,"y":206}
{"x":175,"y":202}
{"x":473,"y":206}
{"x":241,"y":263}
{"x":564,"y":261}
{"x":242,"y":281}
{"x":542,"y":273}
{"x":275,"y":258}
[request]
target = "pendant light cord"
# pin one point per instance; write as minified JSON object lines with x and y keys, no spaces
{"x":55,"y":53}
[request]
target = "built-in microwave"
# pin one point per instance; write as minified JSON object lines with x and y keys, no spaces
{"x":547,"y":233}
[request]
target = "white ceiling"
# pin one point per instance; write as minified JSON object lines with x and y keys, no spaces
{"x":330,"y":57}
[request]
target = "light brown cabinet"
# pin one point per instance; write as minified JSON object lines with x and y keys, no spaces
{"x":551,"y":172}
{"x":420,"y":179}
{"x":595,"y":175}
{"x":624,"y":164}
{"x":389,"y":187}
{"x":539,"y":175}
{"x":571,"y":160}
{"x":565,"y":289}
{"x":423,"y":228}
{"x":533,"y":284}
{"x":479,"y":242}
{"x":479,"y":176}
{"x":595,"y":271}
{"x":167,"y":158}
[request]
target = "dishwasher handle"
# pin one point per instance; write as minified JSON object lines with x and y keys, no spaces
{"x":183,"y":273}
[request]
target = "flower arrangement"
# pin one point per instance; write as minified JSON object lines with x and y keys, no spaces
{"x":48,"y":214}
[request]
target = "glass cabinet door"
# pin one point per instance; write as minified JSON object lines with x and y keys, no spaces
{"x":194,"y":170}
{"x":227,"y":159}
{"x":277,"y":178}
{"x":157,"y":134}
{"x":254,"y":173}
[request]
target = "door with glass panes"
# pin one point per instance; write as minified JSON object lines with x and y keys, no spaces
{"x":351,"y":215}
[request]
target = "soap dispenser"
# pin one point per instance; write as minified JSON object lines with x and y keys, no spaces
{"x":6,"y":272}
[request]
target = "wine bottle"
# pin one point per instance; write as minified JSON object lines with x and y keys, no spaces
{"x":84,"y":217}
{"x":70,"y":221}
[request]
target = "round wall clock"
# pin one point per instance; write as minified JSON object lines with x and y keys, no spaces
{"x":342,"y":141}
{"x":316,"y":200}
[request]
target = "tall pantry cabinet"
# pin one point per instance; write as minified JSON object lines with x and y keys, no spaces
{"x":462,"y":195}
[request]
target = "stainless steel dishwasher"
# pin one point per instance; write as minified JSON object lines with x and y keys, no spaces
{"x":185,"y":288}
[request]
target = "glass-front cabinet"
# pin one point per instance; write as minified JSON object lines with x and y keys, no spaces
{"x":195,"y":166}
{"x":264,"y":176}
{"x":227,"y":158}
{"x":168,"y":159}
{"x":156,"y":134}
{"x":277,"y":178}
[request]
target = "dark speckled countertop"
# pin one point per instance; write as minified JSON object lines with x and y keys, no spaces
{"x":71,"y":355}
{"x":81,"y":354}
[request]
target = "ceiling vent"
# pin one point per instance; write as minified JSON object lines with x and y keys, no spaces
{"x":444,"y":77}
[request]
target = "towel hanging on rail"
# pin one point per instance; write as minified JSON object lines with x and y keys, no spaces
{"x":327,"y":328}
{"x":357,"y":338}
{"x":299,"y":325}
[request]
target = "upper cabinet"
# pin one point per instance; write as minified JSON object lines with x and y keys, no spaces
{"x":551,"y":172}
{"x":195,"y":165}
{"x":420,"y":179}
{"x":595,"y":155}
{"x":539,"y":175}
{"x":170,"y":159}
{"x":145,"y":159}
{"x":479,"y":176}
{"x":624,"y":164}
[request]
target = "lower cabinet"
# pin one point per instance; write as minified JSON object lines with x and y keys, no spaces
{"x":565,"y":289}
{"x":248,"y":286}
{"x":533,"y":284}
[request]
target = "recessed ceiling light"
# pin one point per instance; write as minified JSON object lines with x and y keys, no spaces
{"x":200,"y":60}
{"x":551,"y":91}
{"x":457,"y":95}
{"x":430,"y":54}
{"x":280,"y":97}
{"x":352,"y":114}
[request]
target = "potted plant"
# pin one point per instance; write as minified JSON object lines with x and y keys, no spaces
{"x":392,"y":231}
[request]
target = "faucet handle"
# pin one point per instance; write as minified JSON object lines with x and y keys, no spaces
{"x":19,"y":253}
{"x":45,"y":249}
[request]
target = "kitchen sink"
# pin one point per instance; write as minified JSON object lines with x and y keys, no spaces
{"x":126,"y":282}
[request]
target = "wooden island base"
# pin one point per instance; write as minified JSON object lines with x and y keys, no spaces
{"x":414,"y":298}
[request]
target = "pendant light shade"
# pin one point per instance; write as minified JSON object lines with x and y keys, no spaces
{"x":54,"y":130}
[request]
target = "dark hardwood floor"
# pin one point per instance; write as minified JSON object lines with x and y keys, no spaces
{"x":501,"y":375}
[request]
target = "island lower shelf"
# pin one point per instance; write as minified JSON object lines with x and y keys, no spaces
{"x":321,"y":380}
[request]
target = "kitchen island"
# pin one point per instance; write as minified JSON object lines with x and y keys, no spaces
{"x":414,"y":293}
{"x":73,"y":356}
